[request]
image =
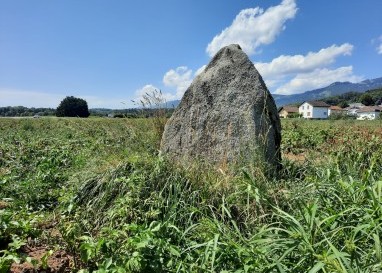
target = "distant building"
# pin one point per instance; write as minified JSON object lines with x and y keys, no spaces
{"x":369,"y":113}
{"x":314,"y":110}
{"x":356,"y":105}
{"x":336,"y":110}
{"x":354,"y":108}
{"x":286,"y":111}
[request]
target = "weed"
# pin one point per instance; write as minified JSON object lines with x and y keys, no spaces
{"x":122,"y":207}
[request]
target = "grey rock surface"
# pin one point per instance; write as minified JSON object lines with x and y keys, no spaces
{"x":227,"y":115}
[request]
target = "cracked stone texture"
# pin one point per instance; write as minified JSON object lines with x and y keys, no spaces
{"x":227,"y":115}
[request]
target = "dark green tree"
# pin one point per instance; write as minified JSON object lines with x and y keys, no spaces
{"x":343,"y":104}
{"x":73,"y":107}
{"x":366,"y":99}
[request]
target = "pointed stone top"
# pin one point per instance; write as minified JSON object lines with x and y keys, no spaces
{"x":233,"y":47}
{"x":229,"y":55}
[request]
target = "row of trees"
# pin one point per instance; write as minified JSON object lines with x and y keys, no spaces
{"x":371,"y":97}
{"x":77,"y":107}
{"x":21,"y":111}
{"x":69,"y":107}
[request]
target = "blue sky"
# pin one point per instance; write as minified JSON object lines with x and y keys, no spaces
{"x":112,"y":52}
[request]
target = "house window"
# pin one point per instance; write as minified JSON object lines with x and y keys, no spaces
{"x":302,"y":107}
{"x":324,"y":113}
{"x":307,"y":107}
{"x":308,"y":114}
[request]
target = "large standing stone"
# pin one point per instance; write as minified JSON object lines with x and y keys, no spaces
{"x":226,"y":115}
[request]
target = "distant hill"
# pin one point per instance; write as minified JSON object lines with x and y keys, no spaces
{"x":334,"y":89}
{"x":172,"y":104}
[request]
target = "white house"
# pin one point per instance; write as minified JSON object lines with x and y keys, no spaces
{"x":314,"y":109}
{"x":369,"y":112}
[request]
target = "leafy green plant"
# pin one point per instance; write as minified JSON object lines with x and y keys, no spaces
{"x":121,"y":207}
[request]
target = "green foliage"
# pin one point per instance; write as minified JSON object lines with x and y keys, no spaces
{"x":123,"y":207}
{"x":73,"y":107}
{"x":21,"y":111}
{"x":294,"y":115}
{"x":366,"y":99}
{"x":343,"y":104}
{"x":370,"y":97}
{"x":342,"y":115}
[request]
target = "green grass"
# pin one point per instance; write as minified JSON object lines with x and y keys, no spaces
{"x":122,"y":207}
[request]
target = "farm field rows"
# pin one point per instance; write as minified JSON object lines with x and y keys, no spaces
{"x":95,"y":195}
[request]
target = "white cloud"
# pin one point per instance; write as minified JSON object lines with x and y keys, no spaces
{"x":286,"y":64}
{"x":254,"y":27}
{"x":200,"y":70}
{"x":153,"y":91}
{"x":180,"y":78}
{"x":318,"y":78}
{"x":379,"y":48}
{"x":299,"y":73}
{"x":147,"y":89}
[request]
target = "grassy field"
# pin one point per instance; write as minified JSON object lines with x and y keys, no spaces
{"x":99,"y":193}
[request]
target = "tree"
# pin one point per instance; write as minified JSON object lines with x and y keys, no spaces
{"x":343,"y":104}
{"x":73,"y":107}
{"x":366,"y":99}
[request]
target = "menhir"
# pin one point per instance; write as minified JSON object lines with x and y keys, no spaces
{"x":227,"y":115}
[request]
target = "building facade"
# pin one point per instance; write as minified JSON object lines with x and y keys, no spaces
{"x":369,"y":113}
{"x":314,"y":110}
{"x":287,"y":111}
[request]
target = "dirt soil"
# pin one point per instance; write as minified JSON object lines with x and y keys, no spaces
{"x":59,"y":261}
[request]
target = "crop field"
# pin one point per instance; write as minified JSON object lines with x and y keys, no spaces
{"x":96,"y":195}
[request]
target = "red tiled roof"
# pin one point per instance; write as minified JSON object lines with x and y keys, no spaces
{"x":334,"y":107}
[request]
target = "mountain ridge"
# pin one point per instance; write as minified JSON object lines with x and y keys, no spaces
{"x":334,"y":89}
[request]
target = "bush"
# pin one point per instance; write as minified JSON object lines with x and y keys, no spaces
{"x":367,"y":99}
{"x":73,"y":107}
{"x":295,"y":115}
{"x":337,"y":116}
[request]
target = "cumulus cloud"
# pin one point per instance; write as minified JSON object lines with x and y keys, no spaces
{"x":180,"y":78}
{"x":318,"y":78}
{"x":147,"y":89}
{"x":153,"y":91}
{"x":288,"y":74}
{"x":286,"y":64}
{"x":254,"y":27}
